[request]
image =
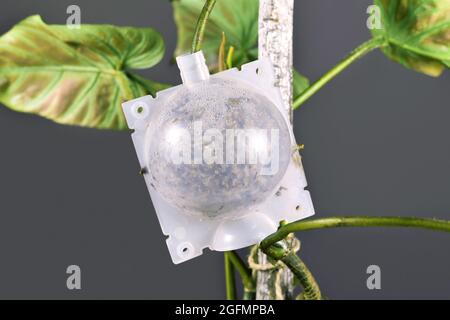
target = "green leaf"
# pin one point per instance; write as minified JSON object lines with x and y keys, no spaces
{"x":76,"y":76}
{"x":238,"y":19}
{"x":301,"y":83}
{"x":417,"y":33}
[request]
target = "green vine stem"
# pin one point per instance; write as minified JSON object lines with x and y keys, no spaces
{"x":201,"y":25}
{"x":311,"y":290}
{"x":408,"y":222}
{"x":276,"y":249}
{"x":359,"y":52}
{"x":230,"y":281}
{"x":245,"y":274}
{"x":279,"y":251}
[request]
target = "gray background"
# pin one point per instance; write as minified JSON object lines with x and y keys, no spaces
{"x":377,"y":143}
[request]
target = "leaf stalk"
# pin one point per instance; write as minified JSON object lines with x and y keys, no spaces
{"x":356,"y":54}
{"x":274,"y":247}
{"x":356,"y":221}
{"x":245,"y":274}
{"x":230,"y":280}
{"x":201,"y":25}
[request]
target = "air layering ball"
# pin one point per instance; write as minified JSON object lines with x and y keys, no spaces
{"x":217,"y":147}
{"x":217,"y":157}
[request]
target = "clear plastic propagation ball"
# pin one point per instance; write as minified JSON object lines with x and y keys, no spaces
{"x":217,"y":148}
{"x":218,"y":157}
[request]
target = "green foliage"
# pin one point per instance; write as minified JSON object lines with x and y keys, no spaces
{"x":76,"y":76}
{"x":417,"y":33}
{"x":238,"y":19}
{"x":301,"y":83}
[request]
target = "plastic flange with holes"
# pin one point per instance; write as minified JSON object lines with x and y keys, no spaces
{"x":219,"y":158}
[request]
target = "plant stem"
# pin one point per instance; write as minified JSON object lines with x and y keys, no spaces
{"x":359,"y":52}
{"x":409,"y":222}
{"x":230,"y":57}
{"x":277,"y":250}
{"x":245,"y":274}
{"x":230,"y":281}
{"x":282,"y":251}
{"x":222,"y":66}
{"x":201,"y":25}
{"x":311,"y":290}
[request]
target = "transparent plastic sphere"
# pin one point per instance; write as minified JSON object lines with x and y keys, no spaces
{"x":217,"y":148}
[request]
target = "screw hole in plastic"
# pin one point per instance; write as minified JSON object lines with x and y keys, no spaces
{"x":140,"y":110}
{"x":185,"y":250}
